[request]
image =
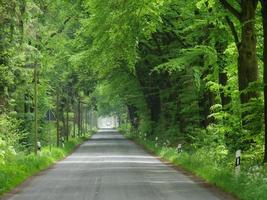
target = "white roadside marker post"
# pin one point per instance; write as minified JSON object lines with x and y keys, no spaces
{"x":62,"y":141}
{"x":39,"y":147}
{"x":156,"y":143}
{"x":237,"y":162}
{"x":179,"y":148}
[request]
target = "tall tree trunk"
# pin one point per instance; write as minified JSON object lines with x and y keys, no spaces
{"x":82,"y":118}
{"x":67,"y":125}
{"x":264,"y":22}
{"x":36,"y":108}
{"x":26,"y":107}
{"x":64,"y":128}
{"x":22,"y":9}
{"x":132,"y":110}
{"x":57,"y":110}
{"x":79,"y":117}
{"x":247,"y":59}
{"x":86,"y":119}
{"x":90,"y":120}
{"x":223,"y":81}
{"x":74,"y":120}
{"x":154,"y":105}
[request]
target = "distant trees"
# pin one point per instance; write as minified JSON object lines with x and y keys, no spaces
{"x":37,"y":34}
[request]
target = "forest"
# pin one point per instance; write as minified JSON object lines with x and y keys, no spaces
{"x":187,"y":73}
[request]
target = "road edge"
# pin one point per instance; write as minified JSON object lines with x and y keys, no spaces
{"x":22,"y":185}
{"x":217,"y":191}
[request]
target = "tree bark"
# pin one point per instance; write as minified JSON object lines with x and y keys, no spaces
{"x":79,"y":117}
{"x":247,"y":59}
{"x":62,"y":114}
{"x":87,"y":119}
{"x":264,"y":22}
{"x":67,"y":124}
{"x":133,"y":116}
{"x":154,"y":105}
{"x":74,"y":121}
{"x":57,"y":110}
{"x":22,"y":9}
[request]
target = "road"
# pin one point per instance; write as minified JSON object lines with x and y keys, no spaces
{"x":110,"y":167}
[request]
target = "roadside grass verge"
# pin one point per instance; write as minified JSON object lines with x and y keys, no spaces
{"x":246,"y":186}
{"x":21,"y":166}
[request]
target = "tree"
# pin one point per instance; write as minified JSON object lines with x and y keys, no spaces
{"x":264,"y":22}
{"x":247,"y":59}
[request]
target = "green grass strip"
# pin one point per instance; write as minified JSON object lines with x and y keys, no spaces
{"x":22,"y":166}
{"x":244,"y":187}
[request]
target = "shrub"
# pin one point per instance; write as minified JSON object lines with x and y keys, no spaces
{"x":21,"y":166}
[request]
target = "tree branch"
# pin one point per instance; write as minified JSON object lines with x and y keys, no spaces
{"x":230,"y":8}
{"x":62,"y":28}
{"x":233,"y":30}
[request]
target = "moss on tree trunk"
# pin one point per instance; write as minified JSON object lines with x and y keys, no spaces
{"x":247,"y":60}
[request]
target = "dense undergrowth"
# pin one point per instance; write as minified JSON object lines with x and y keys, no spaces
{"x":216,"y":169}
{"x":21,"y":166}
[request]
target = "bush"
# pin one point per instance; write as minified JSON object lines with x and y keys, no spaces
{"x":22,"y":166}
{"x":216,"y":167}
{"x":9,"y":137}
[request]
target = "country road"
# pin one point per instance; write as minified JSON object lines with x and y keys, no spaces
{"x":110,"y":167}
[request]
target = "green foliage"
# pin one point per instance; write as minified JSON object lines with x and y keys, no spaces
{"x":169,"y":69}
{"x":9,"y":138}
{"x":216,"y":166}
{"x":22,"y":166}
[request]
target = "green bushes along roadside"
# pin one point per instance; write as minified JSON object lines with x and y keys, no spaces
{"x":219,"y":171}
{"x":21,"y":166}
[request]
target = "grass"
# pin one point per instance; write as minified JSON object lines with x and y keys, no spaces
{"x":22,"y":166}
{"x":246,"y":186}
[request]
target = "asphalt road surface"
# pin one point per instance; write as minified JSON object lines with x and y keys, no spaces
{"x":110,"y":167}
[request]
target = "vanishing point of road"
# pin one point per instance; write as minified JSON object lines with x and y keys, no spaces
{"x":110,"y":167}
